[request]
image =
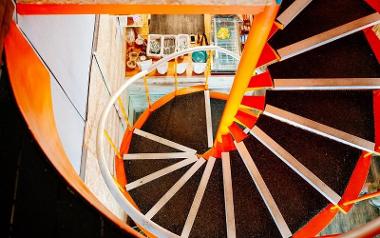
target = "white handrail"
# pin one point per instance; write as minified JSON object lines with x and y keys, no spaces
{"x":134,"y":213}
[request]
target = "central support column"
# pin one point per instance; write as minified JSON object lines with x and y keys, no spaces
{"x":257,"y":38}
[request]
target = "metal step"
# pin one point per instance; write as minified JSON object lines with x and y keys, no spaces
{"x":163,"y":141}
{"x":159,"y":173}
{"x":292,"y":11}
{"x":328,"y":36}
{"x":198,"y":198}
{"x":263,"y":190}
{"x":319,"y":128}
{"x":228,"y":196}
{"x":174,"y":189}
{"x":210,"y":137}
{"x":326,"y":84}
{"x":295,"y":165}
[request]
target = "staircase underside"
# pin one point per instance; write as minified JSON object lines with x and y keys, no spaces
{"x":183,"y":120}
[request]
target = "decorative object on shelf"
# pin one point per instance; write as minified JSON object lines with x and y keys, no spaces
{"x":181,"y":68}
{"x":199,"y":56}
{"x":193,"y":38}
{"x":131,"y":64}
{"x":229,"y":40}
{"x":163,"y":68}
{"x":130,"y":36}
{"x":131,"y":20}
{"x":199,"y":68}
{"x":223,"y":33}
{"x":144,"y":65}
{"x":182,"y":42}
{"x":139,"y":40}
{"x":154,"y":47}
{"x":133,"y":56}
{"x":169,"y":44}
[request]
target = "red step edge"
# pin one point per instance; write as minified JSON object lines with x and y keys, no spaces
{"x":263,"y":80}
{"x":237,"y":133}
{"x":245,"y":118}
{"x":373,"y":41}
{"x":276,"y":26}
{"x":375,"y":4}
{"x":257,"y":102}
{"x":228,"y":142}
{"x":268,"y":55}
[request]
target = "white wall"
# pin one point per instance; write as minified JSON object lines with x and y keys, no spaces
{"x":64,"y":42}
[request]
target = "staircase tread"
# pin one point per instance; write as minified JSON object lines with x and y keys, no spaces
{"x":148,"y":195}
{"x":182,"y":120}
{"x":173,"y":215}
{"x":331,"y":161}
{"x":252,"y":216}
{"x":350,"y":56}
{"x":320,"y":16}
{"x":210,"y":221}
{"x":284,"y":185}
{"x":349,"y":111}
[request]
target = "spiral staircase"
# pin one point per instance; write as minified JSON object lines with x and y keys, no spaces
{"x":296,"y":149}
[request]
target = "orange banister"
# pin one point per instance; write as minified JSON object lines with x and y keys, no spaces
{"x":257,"y":38}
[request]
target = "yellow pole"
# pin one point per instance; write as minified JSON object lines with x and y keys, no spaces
{"x":256,"y":41}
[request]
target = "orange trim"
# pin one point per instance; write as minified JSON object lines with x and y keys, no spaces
{"x":122,"y":9}
{"x":192,"y":89}
{"x":35,"y":104}
{"x":219,"y":95}
{"x":363,"y":198}
{"x":320,"y":221}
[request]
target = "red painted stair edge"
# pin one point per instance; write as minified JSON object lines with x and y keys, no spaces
{"x":257,"y":102}
{"x":268,"y":55}
{"x":237,"y":133}
{"x":375,"y":4}
{"x":245,"y":118}
{"x":263,"y":80}
{"x":373,"y":41}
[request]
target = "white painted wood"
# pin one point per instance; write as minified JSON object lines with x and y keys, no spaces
{"x":174,"y":189}
{"x":263,"y":190}
{"x":326,"y":84}
{"x":70,"y":125}
{"x":210,"y":137}
{"x":318,"y":128}
{"x":292,"y":11}
{"x":328,"y":36}
{"x":246,"y":130}
{"x":198,"y":198}
{"x":163,"y":141}
{"x":159,"y":174}
{"x":295,"y":165}
{"x":64,"y":43}
{"x":172,"y":155}
{"x":228,"y":195}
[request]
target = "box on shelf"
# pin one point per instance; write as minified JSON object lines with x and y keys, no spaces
{"x":155,"y":45}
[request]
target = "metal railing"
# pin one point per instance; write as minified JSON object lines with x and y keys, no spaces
{"x":115,"y":189}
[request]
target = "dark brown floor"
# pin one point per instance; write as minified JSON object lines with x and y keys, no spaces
{"x":332,"y":162}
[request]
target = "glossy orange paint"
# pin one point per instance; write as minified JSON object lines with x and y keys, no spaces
{"x":355,"y":184}
{"x":30,"y":81}
{"x":122,"y":9}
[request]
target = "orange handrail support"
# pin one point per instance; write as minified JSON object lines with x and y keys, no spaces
{"x":26,"y":70}
{"x":362,"y":198}
{"x":116,"y":150}
{"x":147,"y":92}
{"x":124,"y":112}
{"x":257,"y":38}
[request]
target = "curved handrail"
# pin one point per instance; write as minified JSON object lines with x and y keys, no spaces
{"x":127,"y":206}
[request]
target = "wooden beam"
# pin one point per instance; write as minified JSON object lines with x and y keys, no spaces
{"x":32,"y":7}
